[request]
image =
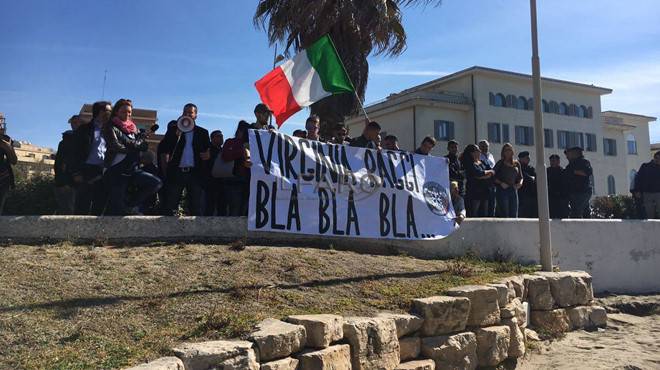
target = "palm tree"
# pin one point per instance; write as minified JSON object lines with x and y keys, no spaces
{"x":358,"y":29}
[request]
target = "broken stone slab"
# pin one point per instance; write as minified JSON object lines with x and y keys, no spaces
{"x":321,"y":330}
{"x":516,"y":285}
{"x":492,"y":344}
{"x":516,"y":339}
{"x":570,"y":288}
{"x":275,"y":339}
{"x":288,"y":363}
{"x":587,"y":317}
{"x":531,"y":335}
{"x":336,"y":357}
{"x":484,"y":307}
{"x":409,"y":348}
{"x":516,"y":309}
{"x":405,"y":324}
{"x":163,"y":363}
{"x":417,"y":365}
{"x":374,"y":342}
{"x":442,"y":314}
{"x":223,"y":354}
{"x":538,"y":292}
{"x":553,"y":321}
{"x":454,"y":352}
{"x":502,"y":294}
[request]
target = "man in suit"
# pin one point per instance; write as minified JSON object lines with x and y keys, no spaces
{"x":88,"y":161}
{"x":187,"y":167}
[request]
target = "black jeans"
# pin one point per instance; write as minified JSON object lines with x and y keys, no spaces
{"x":558,"y":206}
{"x":177,"y":180}
{"x":91,"y":194}
{"x":216,"y":200}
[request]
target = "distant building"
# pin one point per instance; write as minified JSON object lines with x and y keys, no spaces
{"x":34,"y":160}
{"x":484,"y":103}
{"x":143,"y":118}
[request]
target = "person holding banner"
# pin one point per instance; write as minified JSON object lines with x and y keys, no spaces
{"x":426,"y":146}
{"x":458,"y":202}
{"x":478,"y":174}
{"x":263,"y":115}
{"x":368,"y":137}
{"x":341,"y":135}
{"x":312,"y":127}
{"x":391,"y":142}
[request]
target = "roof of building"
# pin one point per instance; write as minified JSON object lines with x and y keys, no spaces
{"x":476,"y":69}
{"x":650,"y":118}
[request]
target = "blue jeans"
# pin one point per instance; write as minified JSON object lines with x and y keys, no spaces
{"x":507,"y":202}
{"x":118,"y":182}
{"x":579,"y":203}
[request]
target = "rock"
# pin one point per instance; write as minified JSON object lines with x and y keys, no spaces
{"x":275,"y":339}
{"x":283,"y":364}
{"x":374,"y":343}
{"x":321,"y":330}
{"x":221,"y":354}
{"x":492,"y":344}
{"x":163,"y":363}
{"x":417,"y":365}
{"x":553,"y":321}
{"x":454,"y":352}
{"x":598,"y":317}
{"x":405,"y":324}
{"x":531,"y":335}
{"x":516,"y":285}
{"x":516,"y":339}
{"x":502,"y":294}
{"x":442,"y":315}
{"x":484,"y":307}
{"x":332,"y":358}
{"x":523,"y":315}
{"x":571,"y":288}
{"x":538,"y":292}
{"x":409,"y":348}
{"x":515,"y":309}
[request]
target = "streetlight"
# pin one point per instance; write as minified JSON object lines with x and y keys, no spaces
{"x":541,"y":174}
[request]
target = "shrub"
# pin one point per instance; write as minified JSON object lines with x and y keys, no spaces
{"x":614,"y":206}
{"x":32,"y":196}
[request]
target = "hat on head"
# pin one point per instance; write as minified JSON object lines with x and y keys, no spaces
{"x":262,"y":108}
{"x":523,"y":154}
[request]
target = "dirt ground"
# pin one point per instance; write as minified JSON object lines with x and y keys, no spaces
{"x":83,"y":307}
{"x":631,"y":340}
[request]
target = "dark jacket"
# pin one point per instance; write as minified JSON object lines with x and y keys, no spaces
{"x":363,"y":142}
{"x":6,"y":172}
{"x":528,"y":188}
{"x":648,"y":178}
{"x":173,"y":145}
{"x":117,"y":142}
{"x":576,"y":184}
{"x":556,"y":183}
{"x":83,"y":137}
{"x":64,"y":159}
{"x":234,"y":150}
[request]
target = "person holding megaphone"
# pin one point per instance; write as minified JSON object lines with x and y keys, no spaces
{"x":187,"y":148}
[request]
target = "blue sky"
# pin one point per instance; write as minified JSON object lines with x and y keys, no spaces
{"x":163,"y":54}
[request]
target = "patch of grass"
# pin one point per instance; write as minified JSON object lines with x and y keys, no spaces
{"x":74,"y":307}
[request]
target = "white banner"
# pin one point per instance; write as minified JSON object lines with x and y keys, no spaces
{"x":309,"y":187}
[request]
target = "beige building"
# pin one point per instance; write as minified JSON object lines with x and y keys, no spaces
{"x":33,"y":159}
{"x":483,"y":103}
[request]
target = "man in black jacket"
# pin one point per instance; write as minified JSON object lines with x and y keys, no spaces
{"x":578,"y":175}
{"x":557,"y":195}
{"x":527,"y":206}
{"x":65,"y":194}
{"x":456,"y":172}
{"x":647,"y":186}
{"x":187,"y":165}
{"x":88,"y":162}
{"x":369,"y":136}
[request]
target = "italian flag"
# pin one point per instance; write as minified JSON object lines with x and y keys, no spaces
{"x":310,"y":76}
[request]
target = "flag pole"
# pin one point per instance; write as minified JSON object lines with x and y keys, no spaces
{"x":364,"y":111}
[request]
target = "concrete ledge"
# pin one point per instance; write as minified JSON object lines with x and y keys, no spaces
{"x":622,"y":255}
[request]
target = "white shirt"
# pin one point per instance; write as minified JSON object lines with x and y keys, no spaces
{"x":488,"y":158}
{"x":188,"y":156}
{"x":97,"y":151}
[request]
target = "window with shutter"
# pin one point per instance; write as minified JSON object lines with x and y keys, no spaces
{"x":505,"y":133}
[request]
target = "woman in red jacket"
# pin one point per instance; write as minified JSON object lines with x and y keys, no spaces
{"x":237,"y":188}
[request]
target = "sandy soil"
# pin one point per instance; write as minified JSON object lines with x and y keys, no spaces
{"x":629,"y":342}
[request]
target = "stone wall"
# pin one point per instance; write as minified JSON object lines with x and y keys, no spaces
{"x":622,"y":255}
{"x":469,"y":326}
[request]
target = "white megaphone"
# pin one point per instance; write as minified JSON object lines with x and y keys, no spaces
{"x":185,"y":124}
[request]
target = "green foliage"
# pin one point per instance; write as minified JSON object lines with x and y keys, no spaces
{"x":614,"y":207}
{"x":32,"y":196}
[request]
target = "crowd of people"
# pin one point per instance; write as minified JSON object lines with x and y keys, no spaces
{"x":104,"y":167}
